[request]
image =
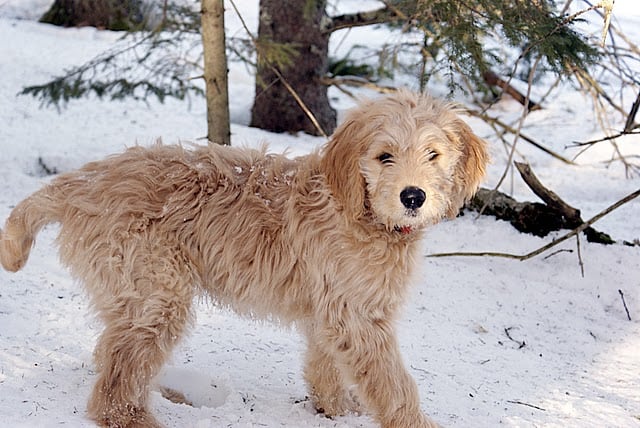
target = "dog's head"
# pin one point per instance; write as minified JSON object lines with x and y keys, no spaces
{"x":403,"y":161}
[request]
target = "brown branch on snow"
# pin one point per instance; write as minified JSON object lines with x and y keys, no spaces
{"x":551,"y":244}
{"x":548,"y":196}
{"x":571,"y":216}
{"x":607,"y":5}
{"x":492,"y":79}
{"x":527,"y":217}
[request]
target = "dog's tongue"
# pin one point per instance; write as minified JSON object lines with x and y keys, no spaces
{"x":405,"y":230}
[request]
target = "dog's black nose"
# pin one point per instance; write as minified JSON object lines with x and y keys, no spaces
{"x":412,"y":197}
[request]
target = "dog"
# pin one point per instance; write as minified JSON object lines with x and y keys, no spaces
{"x":325,"y":242}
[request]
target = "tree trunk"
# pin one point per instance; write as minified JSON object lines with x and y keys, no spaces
{"x":215,"y":72}
{"x":299,"y":23}
{"x":116,"y":15}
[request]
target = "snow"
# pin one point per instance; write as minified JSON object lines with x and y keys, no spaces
{"x":490,"y":341}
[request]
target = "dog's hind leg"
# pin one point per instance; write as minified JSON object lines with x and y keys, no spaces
{"x":143,"y":321}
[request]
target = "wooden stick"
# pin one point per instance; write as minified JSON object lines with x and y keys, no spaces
{"x":548,"y":196}
{"x":624,"y":303}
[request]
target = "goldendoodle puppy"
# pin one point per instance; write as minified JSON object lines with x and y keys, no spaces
{"x":326,"y":242}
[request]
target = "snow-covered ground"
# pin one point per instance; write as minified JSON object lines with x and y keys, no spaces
{"x":580,"y":363}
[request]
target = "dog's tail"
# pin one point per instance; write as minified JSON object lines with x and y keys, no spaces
{"x":22,"y":226}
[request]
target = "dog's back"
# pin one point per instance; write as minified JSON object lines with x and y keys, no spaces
{"x":123,"y":194}
{"x":197,"y":203}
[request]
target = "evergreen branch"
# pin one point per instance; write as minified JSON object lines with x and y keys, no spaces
{"x":133,"y":68}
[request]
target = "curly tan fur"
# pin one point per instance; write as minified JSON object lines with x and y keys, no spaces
{"x":325,"y":241}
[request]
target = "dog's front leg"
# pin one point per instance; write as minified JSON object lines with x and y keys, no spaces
{"x":367,"y":350}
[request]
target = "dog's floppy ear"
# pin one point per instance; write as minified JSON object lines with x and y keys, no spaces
{"x":341,"y":166}
{"x":470,"y":168}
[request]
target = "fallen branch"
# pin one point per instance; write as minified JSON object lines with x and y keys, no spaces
{"x":570,"y":216}
{"x":553,"y":243}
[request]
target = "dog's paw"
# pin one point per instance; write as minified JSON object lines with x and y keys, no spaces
{"x":337,"y":405}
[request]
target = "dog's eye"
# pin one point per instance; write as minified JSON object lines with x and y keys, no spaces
{"x":433,"y":156}
{"x":386,"y":158}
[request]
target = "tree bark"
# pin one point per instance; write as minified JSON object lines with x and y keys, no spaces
{"x":275,"y":108}
{"x":215,"y":72}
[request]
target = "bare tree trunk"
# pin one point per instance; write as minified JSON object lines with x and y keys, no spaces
{"x":215,"y":72}
{"x":298,"y":23}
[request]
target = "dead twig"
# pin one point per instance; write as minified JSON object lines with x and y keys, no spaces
{"x":562,"y":250}
{"x":580,"y":262}
{"x":526,"y":404}
{"x":624,"y":303}
{"x":599,"y":140}
{"x":520,"y":344}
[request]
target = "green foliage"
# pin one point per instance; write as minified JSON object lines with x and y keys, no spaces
{"x":463,"y":33}
{"x":348,"y":67}
{"x":160,"y":63}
